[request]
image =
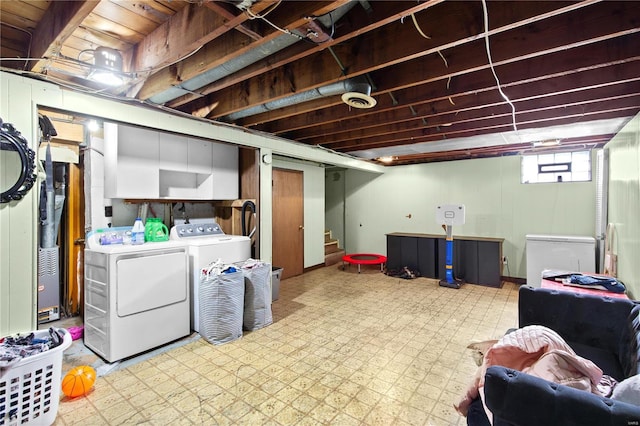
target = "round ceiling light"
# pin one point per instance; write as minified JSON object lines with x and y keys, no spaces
{"x":358,"y":100}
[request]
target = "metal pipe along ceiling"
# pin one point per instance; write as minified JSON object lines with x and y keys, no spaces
{"x":338,"y":88}
{"x":225,"y":69}
{"x":242,"y":61}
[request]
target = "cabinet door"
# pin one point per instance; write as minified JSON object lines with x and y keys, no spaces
{"x":200,"y":156}
{"x":467,"y":260}
{"x":225,"y":171}
{"x":428,"y":257}
{"x":173,"y":152}
{"x":490,"y":263}
{"x":402,"y":251}
{"x":131,"y":162}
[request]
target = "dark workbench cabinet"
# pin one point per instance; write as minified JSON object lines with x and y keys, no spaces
{"x":476,"y":260}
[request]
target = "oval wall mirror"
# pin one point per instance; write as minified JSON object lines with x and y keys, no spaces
{"x":17,"y":164}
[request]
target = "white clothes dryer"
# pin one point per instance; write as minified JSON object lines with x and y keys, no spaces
{"x":207,"y":243}
{"x":136,"y":296}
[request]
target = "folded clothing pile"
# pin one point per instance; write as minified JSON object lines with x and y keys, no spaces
{"x":601,"y":283}
{"x":15,"y":348}
{"x":576,"y":279}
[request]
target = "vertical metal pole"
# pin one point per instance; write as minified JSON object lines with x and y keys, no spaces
{"x":449,"y":255}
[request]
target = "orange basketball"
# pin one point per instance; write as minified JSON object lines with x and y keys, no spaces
{"x":78,"y":381}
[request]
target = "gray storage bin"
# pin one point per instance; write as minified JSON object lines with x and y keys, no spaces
{"x":276,"y":274}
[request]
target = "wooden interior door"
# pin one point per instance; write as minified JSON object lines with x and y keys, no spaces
{"x":288,"y":222}
{"x":74,"y":243}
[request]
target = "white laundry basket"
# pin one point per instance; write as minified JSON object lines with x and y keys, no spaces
{"x":30,"y":389}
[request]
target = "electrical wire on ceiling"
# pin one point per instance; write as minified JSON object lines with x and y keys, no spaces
{"x":446,"y":64}
{"x":285,"y":30}
{"x":486,"y":40}
{"x":263,"y":17}
{"x":25,"y":31}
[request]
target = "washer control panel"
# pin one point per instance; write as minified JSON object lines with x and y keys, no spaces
{"x":196,"y":230}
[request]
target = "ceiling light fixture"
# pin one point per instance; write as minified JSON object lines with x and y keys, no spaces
{"x":387,"y":159}
{"x":107,"y":66}
{"x":547,"y":143}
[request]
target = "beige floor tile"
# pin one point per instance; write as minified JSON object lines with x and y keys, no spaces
{"x":271,"y":407}
{"x":237,"y":410}
{"x":319,"y":391}
{"x":288,"y":416}
{"x":324,"y":414}
{"x":304,"y":403}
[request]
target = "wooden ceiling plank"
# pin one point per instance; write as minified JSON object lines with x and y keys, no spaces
{"x":209,"y":58}
{"x":23,"y":11}
{"x":57,"y":24}
{"x":236,"y":21}
{"x":181,"y":35}
{"x":362,"y":59}
{"x":83,"y":36}
{"x":157,"y":12}
{"x":127,"y":33}
{"x":117,"y":14}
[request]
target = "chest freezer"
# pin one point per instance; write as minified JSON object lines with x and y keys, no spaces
{"x":562,"y":252}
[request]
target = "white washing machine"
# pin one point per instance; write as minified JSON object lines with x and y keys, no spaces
{"x":207,"y":243}
{"x":136,"y":296}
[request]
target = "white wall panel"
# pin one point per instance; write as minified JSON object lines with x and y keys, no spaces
{"x":624,"y":202}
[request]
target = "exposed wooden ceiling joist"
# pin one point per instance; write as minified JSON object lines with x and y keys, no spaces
{"x":560,"y":63}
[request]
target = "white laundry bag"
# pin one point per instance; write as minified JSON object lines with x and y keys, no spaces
{"x":221,"y":303}
{"x":257,"y":294}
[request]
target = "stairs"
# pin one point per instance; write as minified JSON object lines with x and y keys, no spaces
{"x":332,"y":251}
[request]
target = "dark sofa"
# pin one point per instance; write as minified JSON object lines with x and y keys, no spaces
{"x":602,"y":329}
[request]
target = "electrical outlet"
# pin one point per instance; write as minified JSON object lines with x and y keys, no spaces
{"x":504,"y":260}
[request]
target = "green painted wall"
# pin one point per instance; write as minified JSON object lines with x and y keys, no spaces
{"x":624,"y":202}
{"x":18,"y":221}
{"x":497,"y":205}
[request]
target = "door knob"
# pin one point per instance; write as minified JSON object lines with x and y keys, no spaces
{"x":300,"y":227}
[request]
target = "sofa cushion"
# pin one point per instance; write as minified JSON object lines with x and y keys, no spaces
{"x":630,"y":344}
{"x":525,"y":400}
{"x":607,"y":361}
{"x":628,"y":391}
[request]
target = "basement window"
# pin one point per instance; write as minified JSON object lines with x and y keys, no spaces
{"x":556,"y":167}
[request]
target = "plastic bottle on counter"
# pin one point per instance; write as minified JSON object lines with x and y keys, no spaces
{"x":137,"y":232}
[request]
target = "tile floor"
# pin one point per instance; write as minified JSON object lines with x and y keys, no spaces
{"x":344,"y":349}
